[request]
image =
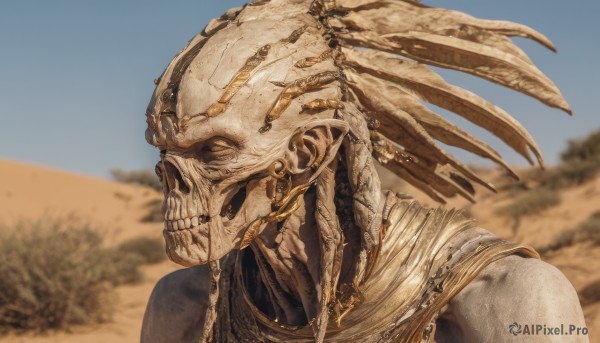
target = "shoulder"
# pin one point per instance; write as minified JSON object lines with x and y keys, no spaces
{"x":511,"y":290}
{"x":176,"y":308}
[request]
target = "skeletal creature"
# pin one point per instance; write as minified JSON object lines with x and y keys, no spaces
{"x":270,"y":123}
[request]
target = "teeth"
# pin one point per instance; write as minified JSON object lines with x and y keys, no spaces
{"x":183,"y":224}
{"x":171,"y":214}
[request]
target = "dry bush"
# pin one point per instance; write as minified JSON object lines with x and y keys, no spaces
{"x":580,"y":163}
{"x":584,"y":149}
{"x":564,"y":239}
{"x":569,"y":174}
{"x":590,"y":293}
{"x":150,"y":250}
{"x":588,"y":231}
{"x":531,"y":202}
{"x":155,"y":212}
{"x":141,"y":177}
{"x":55,"y":274}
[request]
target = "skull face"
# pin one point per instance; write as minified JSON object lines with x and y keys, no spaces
{"x":206,"y":207}
{"x":215,"y":167}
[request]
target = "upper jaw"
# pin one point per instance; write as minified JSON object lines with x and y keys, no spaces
{"x":189,"y":239}
{"x":185,"y":223}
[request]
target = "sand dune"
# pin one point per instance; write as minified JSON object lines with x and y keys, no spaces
{"x":30,"y":192}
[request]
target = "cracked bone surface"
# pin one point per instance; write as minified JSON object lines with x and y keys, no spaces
{"x":208,"y":157}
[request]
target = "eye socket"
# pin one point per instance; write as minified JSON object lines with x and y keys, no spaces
{"x":217,"y":149}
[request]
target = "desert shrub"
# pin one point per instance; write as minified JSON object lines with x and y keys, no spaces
{"x":581,"y":162}
{"x":564,"y":239}
{"x":588,"y":231}
{"x":531,"y":202}
{"x":55,"y":274}
{"x":155,"y":214}
{"x":150,"y":250}
{"x":584,"y":149}
{"x":142,"y":177}
{"x":571,"y":173}
{"x":590,"y":293}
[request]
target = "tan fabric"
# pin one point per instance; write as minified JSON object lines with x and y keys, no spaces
{"x":427,"y":257}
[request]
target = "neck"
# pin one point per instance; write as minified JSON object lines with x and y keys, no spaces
{"x":288,"y":258}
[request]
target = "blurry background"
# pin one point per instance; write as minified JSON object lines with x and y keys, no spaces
{"x":76,"y":78}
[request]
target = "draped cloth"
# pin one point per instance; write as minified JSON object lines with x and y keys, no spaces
{"x":426,"y":257}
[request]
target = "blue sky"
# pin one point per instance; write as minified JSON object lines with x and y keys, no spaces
{"x":77,"y":75}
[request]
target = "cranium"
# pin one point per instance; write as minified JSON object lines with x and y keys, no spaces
{"x":217,"y":153}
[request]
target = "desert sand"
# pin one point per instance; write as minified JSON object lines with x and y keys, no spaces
{"x":33,"y":192}
{"x":29,"y":192}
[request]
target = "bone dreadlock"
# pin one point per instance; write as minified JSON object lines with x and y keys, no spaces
{"x":389,"y":88}
{"x":381,"y":48}
{"x":382,"y":102}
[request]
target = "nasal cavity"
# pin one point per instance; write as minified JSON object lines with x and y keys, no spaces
{"x":174,"y":178}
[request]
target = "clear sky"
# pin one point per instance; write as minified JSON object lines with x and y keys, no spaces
{"x":76,"y":75}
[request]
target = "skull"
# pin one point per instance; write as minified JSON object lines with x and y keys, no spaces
{"x":217,"y":166}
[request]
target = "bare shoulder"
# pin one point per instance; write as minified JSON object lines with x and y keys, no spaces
{"x":513,"y":290}
{"x":176,"y":309}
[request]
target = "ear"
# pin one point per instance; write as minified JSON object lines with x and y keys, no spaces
{"x":315,"y":145}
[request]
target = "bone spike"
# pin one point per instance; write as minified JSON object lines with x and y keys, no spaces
{"x":397,"y":169}
{"x":422,"y":82}
{"x":477,"y":59}
{"x":401,"y":127}
{"x":438,"y":176}
{"x":418,"y":183}
{"x":435,"y":125}
{"x":508,"y":28}
{"x":412,"y":15}
{"x":441,"y":25}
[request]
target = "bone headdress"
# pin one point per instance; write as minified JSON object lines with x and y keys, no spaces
{"x":234,"y":110}
{"x":369,"y":53}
